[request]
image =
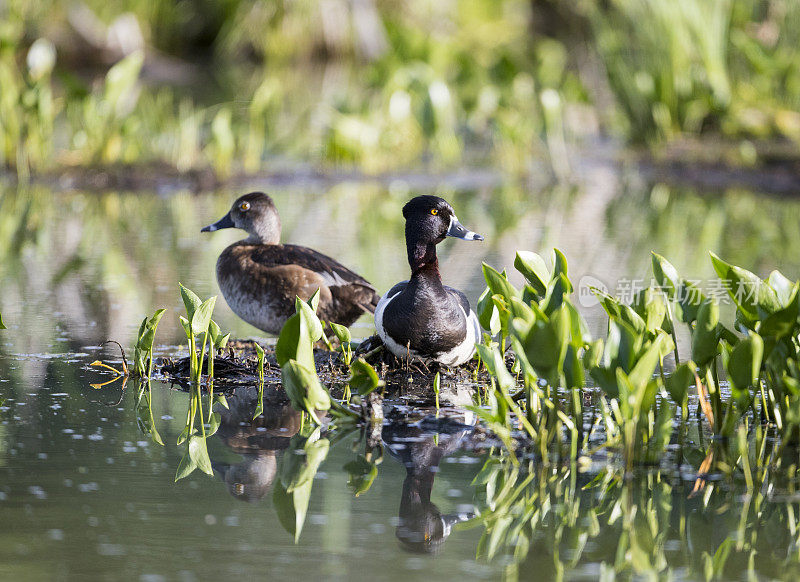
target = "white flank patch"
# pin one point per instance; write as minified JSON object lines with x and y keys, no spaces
{"x":463,"y":351}
{"x":394,"y":347}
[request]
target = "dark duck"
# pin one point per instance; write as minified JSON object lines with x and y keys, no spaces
{"x":260,"y":277}
{"x":421,"y":318}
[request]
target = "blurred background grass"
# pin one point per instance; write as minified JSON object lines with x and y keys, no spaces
{"x":240,"y":86}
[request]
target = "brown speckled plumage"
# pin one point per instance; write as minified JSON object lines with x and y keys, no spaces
{"x":260,"y":280}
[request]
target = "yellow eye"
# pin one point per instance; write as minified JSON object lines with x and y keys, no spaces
{"x":434,"y":211}
{"x":244,"y":206}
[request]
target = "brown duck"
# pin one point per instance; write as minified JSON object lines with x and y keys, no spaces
{"x":260,"y":278}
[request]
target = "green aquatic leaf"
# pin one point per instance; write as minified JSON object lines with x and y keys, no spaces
{"x":202,"y":315}
{"x":705,"y":339}
{"x":542,"y":346}
{"x":751,"y":295}
{"x":304,"y":389}
{"x":620,"y":311}
{"x":213,"y":331}
{"x":521,"y":310}
{"x":186,"y":326}
{"x":147,"y":331}
{"x":2,"y":325}
{"x":199,"y":453}
{"x":593,"y":353}
{"x":361,"y":475}
{"x":559,"y":265}
{"x":363,"y":377}
{"x":645,"y":366}
{"x":677,"y":384}
{"x":574,"y":374}
{"x":309,"y":318}
{"x":622,"y":346}
{"x":534,"y":269}
{"x":579,"y":330}
{"x":190,"y":300}
{"x":744,"y":366}
{"x":183,"y":435}
{"x":783,"y":322}
{"x":221,"y":399}
{"x":213,"y":425}
{"x":503,"y":313}
{"x":341,"y":332}
{"x":144,"y":416}
{"x":689,"y":300}
{"x":294,"y":343}
{"x":783,"y":287}
{"x":666,"y":275}
{"x":496,"y":366}
{"x":488,"y":316}
{"x":649,"y":304}
{"x":313,"y":301}
{"x":498,"y":283}
{"x":186,"y":467}
{"x":557,"y":291}
{"x":292,"y":507}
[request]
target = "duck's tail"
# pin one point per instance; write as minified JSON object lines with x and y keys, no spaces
{"x":370,"y":307}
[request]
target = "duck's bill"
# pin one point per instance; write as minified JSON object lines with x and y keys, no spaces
{"x":224,"y":222}
{"x":458,"y":230}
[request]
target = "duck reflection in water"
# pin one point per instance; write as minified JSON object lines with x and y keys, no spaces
{"x":259,"y":441}
{"x":421,"y":447}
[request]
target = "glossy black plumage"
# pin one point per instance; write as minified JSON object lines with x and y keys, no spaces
{"x":421,"y":317}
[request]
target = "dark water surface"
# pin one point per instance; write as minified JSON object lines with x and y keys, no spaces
{"x":84,"y":494}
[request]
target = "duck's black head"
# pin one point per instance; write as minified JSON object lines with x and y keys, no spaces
{"x":254,"y":213}
{"x":429,"y":219}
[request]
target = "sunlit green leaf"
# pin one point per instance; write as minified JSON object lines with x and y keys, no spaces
{"x":488,"y":316}
{"x":646,"y":364}
{"x":294,"y":343}
{"x":666,"y":275}
{"x":498,"y":283}
{"x":363,"y":379}
{"x":309,"y":318}
{"x":341,"y":332}
{"x":190,"y":300}
{"x":559,"y":265}
{"x":313,"y":301}
{"x":752,"y":295}
{"x":533,"y":268}
{"x":202,"y":315}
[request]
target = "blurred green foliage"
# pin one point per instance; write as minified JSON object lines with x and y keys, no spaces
{"x":382,"y":86}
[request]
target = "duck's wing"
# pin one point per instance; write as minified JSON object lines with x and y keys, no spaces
{"x":346,"y":286}
{"x":333,"y":272}
{"x":460,"y":297}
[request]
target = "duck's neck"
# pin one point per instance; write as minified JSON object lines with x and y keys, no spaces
{"x":266,"y":231}
{"x":423,"y":261}
{"x":257,"y":239}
